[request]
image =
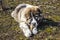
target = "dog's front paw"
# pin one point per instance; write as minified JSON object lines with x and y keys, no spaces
{"x":27,"y":33}
{"x":34,"y":31}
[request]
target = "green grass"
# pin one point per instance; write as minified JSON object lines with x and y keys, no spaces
{"x":9,"y":29}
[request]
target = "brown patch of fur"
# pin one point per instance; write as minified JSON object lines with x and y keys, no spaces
{"x":27,"y":15}
{"x":32,"y":9}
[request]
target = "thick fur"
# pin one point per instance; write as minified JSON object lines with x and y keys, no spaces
{"x":24,"y":15}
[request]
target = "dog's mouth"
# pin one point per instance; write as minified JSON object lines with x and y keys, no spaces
{"x":31,"y":24}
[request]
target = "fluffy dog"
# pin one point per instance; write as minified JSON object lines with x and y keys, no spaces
{"x":28,"y":17}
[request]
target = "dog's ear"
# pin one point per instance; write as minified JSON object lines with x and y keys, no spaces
{"x":27,"y":13}
{"x":38,"y":11}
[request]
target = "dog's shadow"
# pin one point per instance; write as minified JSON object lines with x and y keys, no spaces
{"x":47,"y":22}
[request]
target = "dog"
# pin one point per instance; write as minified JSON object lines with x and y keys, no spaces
{"x":28,"y":17}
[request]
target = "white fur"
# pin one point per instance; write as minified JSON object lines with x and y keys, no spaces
{"x":34,"y":30}
{"x":25,"y":29}
{"x":20,"y":18}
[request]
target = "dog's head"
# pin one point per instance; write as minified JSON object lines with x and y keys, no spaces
{"x":33,"y":16}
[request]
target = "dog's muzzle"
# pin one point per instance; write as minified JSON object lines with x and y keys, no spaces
{"x":32,"y":24}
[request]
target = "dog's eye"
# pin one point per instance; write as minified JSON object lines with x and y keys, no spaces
{"x":36,"y":16}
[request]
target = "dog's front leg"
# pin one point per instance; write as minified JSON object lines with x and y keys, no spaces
{"x":25,"y":29}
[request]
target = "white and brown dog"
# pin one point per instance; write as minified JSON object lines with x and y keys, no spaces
{"x":28,"y":17}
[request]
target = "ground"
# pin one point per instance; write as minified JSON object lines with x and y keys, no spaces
{"x":49,"y":28}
